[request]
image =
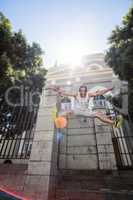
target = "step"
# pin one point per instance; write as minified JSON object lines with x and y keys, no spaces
{"x":78,"y":195}
{"x":94,"y":185}
{"x":104,"y":194}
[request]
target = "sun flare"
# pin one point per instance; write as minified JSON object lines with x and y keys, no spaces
{"x":71,"y":54}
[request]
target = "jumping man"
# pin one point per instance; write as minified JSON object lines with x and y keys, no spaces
{"x":81,"y":104}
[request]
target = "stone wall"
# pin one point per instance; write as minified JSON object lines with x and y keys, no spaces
{"x":80,"y":152}
{"x":87,"y":145}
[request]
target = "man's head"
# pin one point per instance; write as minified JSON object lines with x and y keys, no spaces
{"x":83,"y":90}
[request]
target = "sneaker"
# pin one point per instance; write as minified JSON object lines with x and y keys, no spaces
{"x":118,"y":122}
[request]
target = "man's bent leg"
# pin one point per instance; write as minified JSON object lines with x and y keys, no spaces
{"x":104,"y":118}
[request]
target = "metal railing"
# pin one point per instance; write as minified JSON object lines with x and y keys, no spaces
{"x":123,"y":146}
{"x":16,"y":131}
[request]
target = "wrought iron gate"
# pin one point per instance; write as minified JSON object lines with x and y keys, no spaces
{"x":123,"y":146}
{"x":16,"y":131}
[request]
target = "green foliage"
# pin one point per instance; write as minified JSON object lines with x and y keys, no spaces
{"x":21,"y":67}
{"x":20,"y":62}
{"x":120,"y":54}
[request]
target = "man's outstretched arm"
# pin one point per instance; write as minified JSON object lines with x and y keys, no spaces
{"x":60,"y":91}
{"x":99,"y":92}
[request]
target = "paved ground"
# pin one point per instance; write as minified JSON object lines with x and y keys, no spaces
{"x":86,"y":185}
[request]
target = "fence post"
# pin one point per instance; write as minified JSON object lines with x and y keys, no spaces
{"x":42,"y":166}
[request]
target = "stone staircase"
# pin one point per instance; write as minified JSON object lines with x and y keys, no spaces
{"x":94,"y":185}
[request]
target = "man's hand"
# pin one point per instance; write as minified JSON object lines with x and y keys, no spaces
{"x":108,"y":90}
{"x":101,"y":92}
{"x":53,"y":87}
{"x":112,"y":88}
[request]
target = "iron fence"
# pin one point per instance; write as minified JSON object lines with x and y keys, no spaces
{"x":16,"y":131}
{"x":123,"y":146}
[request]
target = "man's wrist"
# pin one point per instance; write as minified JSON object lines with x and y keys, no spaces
{"x":110,"y":89}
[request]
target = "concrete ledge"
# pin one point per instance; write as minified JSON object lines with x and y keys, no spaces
{"x":44,"y":123}
{"x":39,"y":168}
{"x":84,"y":140}
{"x":80,"y":131}
{"x":82,"y":150}
{"x":82,"y":162}
{"x":44,"y":136}
{"x":42,"y":150}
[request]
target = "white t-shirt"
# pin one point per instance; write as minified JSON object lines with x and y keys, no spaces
{"x":82,"y":102}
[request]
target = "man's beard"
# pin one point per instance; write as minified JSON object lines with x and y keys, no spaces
{"x":83,"y":95}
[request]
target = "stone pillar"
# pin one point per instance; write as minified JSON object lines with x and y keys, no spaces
{"x":105,"y":151}
{"x":78,"y":146}
{"x":87,"y":145}
{"x":42,"y":163}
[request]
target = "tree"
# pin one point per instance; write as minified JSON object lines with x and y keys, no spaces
{"x":20,"y":65}
{"x":20,"y":62}
{"x":5,"y":65}
{"x":120,"y":54}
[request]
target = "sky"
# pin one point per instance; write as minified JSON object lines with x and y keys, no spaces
{"x":66,"y":29}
